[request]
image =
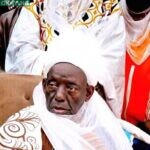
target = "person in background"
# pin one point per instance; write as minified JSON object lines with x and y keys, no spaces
{"x":8,"y":18}
{"x":136,"y":103}
{"x":136,"y":107}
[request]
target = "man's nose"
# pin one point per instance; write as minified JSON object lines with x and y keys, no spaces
{"x":60,"y":94}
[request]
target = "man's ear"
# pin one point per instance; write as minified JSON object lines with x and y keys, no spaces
{"x":89,"y":92}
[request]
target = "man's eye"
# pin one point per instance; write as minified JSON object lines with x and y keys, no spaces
{"x":71,"y":88}
{"x":52,"y":84}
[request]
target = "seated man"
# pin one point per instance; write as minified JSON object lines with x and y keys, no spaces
{"x":66,"y":109}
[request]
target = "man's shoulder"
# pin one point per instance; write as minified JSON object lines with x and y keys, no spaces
{"x":23,"y":129}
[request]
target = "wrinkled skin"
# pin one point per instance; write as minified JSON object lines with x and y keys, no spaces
{"x":66,"y":89}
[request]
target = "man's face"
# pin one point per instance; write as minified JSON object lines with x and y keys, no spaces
{"x":66,"y":89}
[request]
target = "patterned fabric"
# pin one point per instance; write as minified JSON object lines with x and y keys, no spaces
{"x":97,"y":10}
{"x":21,"y":131}
{"x":46,"y":31}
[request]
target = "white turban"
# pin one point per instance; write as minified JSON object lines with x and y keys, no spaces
{"x":76,"y":48}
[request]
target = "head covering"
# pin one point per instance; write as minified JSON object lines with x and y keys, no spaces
{"x":76,"y":48}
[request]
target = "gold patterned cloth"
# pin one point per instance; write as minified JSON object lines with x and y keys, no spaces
{"x":96,"y":11}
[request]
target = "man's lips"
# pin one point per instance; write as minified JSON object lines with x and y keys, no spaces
{"x":59,"y":110}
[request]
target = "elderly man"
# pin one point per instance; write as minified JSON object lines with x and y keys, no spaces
{"x":70,"y":114}
{"x":67,"y":117}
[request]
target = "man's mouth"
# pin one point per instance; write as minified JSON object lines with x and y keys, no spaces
{"x":59,"y":110}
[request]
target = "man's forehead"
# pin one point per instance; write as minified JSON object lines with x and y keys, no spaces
{"x":61,"y":66}
{"x":66,"y":69}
